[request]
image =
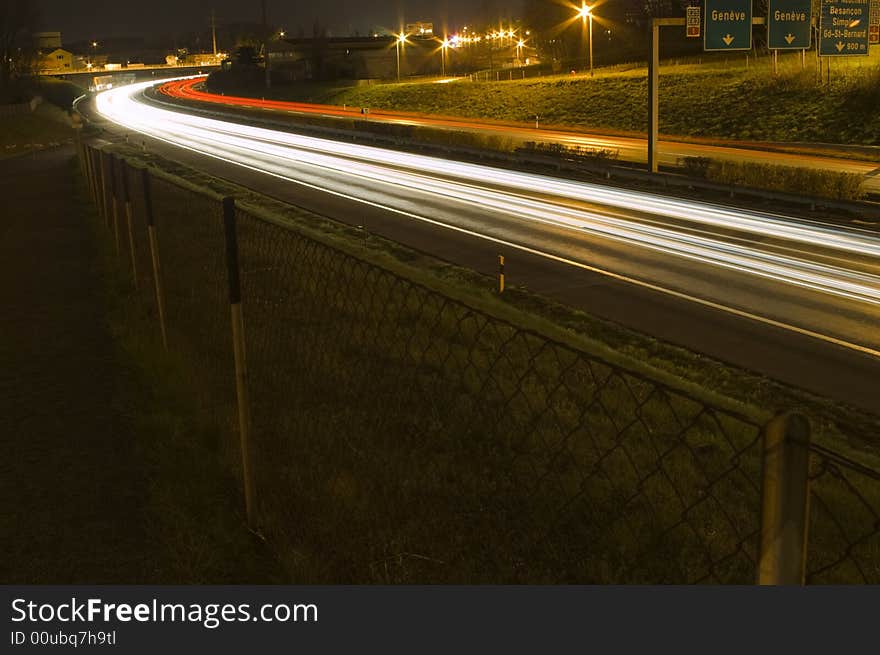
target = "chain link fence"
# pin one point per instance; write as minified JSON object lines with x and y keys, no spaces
{"x":394,"y":433}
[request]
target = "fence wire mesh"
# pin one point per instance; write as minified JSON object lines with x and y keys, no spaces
{"x":402,"y":436}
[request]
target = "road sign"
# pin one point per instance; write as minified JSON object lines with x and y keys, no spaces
{"x":728,"y":25}
{"x":788,"y":24}
{"x":874,"y":26}
{"x":843,"y":30}
{"x":694,"y":20}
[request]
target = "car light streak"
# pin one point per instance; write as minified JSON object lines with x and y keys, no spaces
{"x":747,"y":247}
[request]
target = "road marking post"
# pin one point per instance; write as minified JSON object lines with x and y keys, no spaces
{"x":154,"y":254}
{"x":239,"y":353}
{"x":501,"y":279}
{"x":785,"y":508}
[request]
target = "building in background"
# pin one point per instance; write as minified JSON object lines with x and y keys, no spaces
{"x":420,"y":30}
{"x":56,"y":61}
{"x":47,"y":41}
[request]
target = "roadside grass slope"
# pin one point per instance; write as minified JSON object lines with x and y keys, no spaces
{"x":721,"y":98}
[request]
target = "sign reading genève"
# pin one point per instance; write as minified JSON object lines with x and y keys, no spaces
{"x":728,"y":25}
{"x":843,"y":28}
{"x":788,"y":24}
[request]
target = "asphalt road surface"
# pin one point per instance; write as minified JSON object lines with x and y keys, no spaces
{"x":795,"y":300}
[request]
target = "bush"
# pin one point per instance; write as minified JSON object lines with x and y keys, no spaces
{"x":807,"y":181}
{"x":576,"y":153}
{"x":696,"y":166}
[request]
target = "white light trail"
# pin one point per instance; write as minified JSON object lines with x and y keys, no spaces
{"x":525,"y":196}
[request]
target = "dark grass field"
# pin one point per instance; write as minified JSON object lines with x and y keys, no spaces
{"x":105,"y":477}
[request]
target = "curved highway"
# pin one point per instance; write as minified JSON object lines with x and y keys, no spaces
{"x":632,"y":149}
{"x":807,"y":292}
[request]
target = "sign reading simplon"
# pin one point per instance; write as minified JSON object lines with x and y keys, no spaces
{"x":843,"y":28}
{"x":788,"y":24}
{"x":728,"y":25}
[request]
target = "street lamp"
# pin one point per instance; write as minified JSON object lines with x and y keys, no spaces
{"x":443,"y":45}
{"x":519,"y":51}
{"x":401,"y":39}
{"x":586,"y":12}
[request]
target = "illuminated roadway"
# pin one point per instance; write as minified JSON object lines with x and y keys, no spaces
{"x":794,"y":299}
{"x":633,"y":149}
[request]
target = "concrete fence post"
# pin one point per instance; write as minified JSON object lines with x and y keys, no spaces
{"x":785,"y":507}
{"x":239,"y":353}
{"x":154,"y":254}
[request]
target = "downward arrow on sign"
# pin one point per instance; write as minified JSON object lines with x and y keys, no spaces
{"x":789,"y":38}
{"x":728,"y":39}
{"x":840,"y":46}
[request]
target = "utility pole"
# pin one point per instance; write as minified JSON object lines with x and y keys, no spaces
{"x":214,"y":32}
{"x":266,"y":39}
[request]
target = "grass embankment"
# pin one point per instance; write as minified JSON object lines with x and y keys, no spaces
{"x":719,"y":98}
{"x":411,"y":426}
{"x":46,"y":126}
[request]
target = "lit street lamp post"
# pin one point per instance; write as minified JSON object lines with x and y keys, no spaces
{"x":443,"y":48}
{"x":586,"y":12}
{"x":401,"y":39}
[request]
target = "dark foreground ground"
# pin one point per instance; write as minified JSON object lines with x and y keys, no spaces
{"x":95,"y":485}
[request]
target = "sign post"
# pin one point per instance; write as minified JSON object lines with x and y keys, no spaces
{"x":843,"y":30}
{"x":694,"y":21}
{"x":874,"y":24}
{"x":788,"y":24}
{"x":728,"y":25}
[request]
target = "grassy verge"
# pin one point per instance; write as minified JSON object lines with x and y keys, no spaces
{"x":697,"y":100}
{"x":45,"y":127}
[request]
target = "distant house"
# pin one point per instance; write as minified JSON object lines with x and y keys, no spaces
{"x":58,"y":60}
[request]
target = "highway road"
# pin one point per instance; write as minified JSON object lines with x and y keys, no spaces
{"x":632,"y":149}
{"x":796,"y":300}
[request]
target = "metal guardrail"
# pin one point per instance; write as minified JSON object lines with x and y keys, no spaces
{"x":394,"y":432}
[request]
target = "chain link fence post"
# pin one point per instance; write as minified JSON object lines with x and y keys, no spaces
{"x":129,"y":219}
{"x":114,"y":200}
{"x":105,"y":188}
{"x":785,"y":501}
{"x":238,"y":346}
{"x":90,"y":173}
{"x":154,"y":254}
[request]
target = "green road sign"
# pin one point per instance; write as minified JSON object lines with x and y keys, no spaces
{"x":788,"y":24}
{"x":843,"y":29}
{"x":728,"y":25}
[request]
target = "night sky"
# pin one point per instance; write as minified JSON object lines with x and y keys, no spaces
{"x":99,"y":18}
